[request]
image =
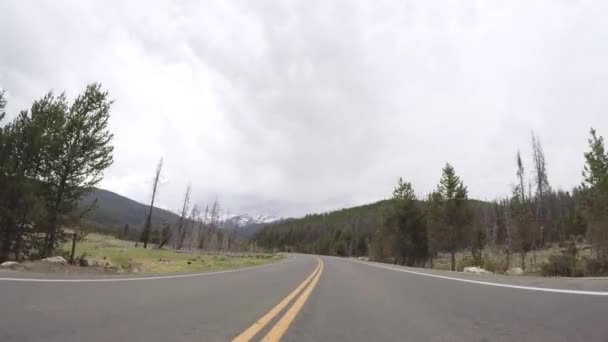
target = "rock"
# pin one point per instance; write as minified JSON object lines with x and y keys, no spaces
{"x":8,"y":264}
{"x":89,"y":262}
{"x":56,"y":260}
{"x":108,"y":264}
{"x":516,"y":271}
{"x":11,"y":265}
{"x":476,"y":270}
{"x":363,"y":258}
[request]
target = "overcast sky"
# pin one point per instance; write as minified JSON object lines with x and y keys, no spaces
{"x":290,"y":107}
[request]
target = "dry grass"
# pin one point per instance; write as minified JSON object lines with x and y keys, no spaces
{"x":495,"y":259}
{"x":128,"y":258}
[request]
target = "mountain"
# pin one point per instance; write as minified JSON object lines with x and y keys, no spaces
{"x":113,"y":211}
{"x":246,"y":219}
{"x":248,"y":225}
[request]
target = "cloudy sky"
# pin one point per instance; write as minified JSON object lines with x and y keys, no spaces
{"x":289,"y":107}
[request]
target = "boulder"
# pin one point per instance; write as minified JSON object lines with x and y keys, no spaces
{"x":56,"y":260}
{"x":476,"y":270}
{"x":11,"y":265}
{"x":89,"y":262}
{"x":516,"y":271}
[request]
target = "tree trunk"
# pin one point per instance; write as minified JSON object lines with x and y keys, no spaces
{"x":453,"y":260}
{"x":6,"y":245}
{"x":52,"y":230}
{"x":73,"y":248}
{"x":18,"y":244}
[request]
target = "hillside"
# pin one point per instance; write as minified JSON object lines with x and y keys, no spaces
{"x":113,"y":211}
{"x":343,"y":232}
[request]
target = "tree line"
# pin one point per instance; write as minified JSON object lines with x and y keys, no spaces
{"x":51,"y":154}
{"x":411,"y":231}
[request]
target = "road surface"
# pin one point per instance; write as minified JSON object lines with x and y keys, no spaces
{"x":305,"y":298}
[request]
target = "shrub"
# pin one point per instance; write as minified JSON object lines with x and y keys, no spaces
{"x":594,"y":267}
{"x":561,"y":265}
{"x":483,"y":261}
{"x":467,"y":261}
{"x":494,"y":266}
{"x":565,"y":265}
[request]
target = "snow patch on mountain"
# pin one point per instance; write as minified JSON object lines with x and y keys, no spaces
{"x":243,"y":220}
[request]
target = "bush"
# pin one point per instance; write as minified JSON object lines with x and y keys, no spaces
{"x":565,"y":265}
{"x":561,"y":265}
{"x":467,"y":261}
{"x":483,"y":261}
{"x":594,"y":267}
{"x":494,"y":266}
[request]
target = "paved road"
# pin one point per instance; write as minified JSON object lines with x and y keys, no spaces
{"x":342,"y":300}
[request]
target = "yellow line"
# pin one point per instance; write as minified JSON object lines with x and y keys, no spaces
{"x":248,"y":334}
{"x":275,"y":334}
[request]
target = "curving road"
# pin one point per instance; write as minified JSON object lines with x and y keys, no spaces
{"x":305,"y":298}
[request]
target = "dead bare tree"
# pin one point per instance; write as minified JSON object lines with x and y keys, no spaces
{"x":202,"y":228}
{"x":542,"y":191}
{"x":183,"y":217}
{"x":189,"y":227}
{"x":147,"y":226}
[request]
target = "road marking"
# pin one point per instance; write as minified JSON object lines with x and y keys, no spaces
{"x":41,"y":280}
{"x":530,"y":288}
{"x":250,"y":333}
{"x":275,"y":334}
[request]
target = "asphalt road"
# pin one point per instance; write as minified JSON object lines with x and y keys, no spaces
{"x":338,"y":300}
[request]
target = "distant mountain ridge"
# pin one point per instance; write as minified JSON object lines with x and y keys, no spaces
{"x":113,"y":211}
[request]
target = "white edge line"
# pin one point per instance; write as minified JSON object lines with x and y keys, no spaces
{"x":94,"y":280}
{"x":531,"y":288}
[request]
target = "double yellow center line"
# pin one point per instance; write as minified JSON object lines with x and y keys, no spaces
{"x":303,"y":290}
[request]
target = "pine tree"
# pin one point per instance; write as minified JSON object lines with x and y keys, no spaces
{"x":451,"y":197}
{"x":78,"y":156}
{"x":405,"y":228}
{"x":595,"y":190}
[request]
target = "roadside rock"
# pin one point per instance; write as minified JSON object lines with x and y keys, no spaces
{"x":363,"y":258}
{"x":12,"y":265}
{"x":56,"y":260}
{"x":476,"y":270}
{"x":89,"y":262}
{"x":515,"y":271}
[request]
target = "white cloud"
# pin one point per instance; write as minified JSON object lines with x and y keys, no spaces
{"x":290,"y":107}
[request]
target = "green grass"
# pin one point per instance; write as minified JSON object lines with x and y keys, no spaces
{"x":126,"y":257}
